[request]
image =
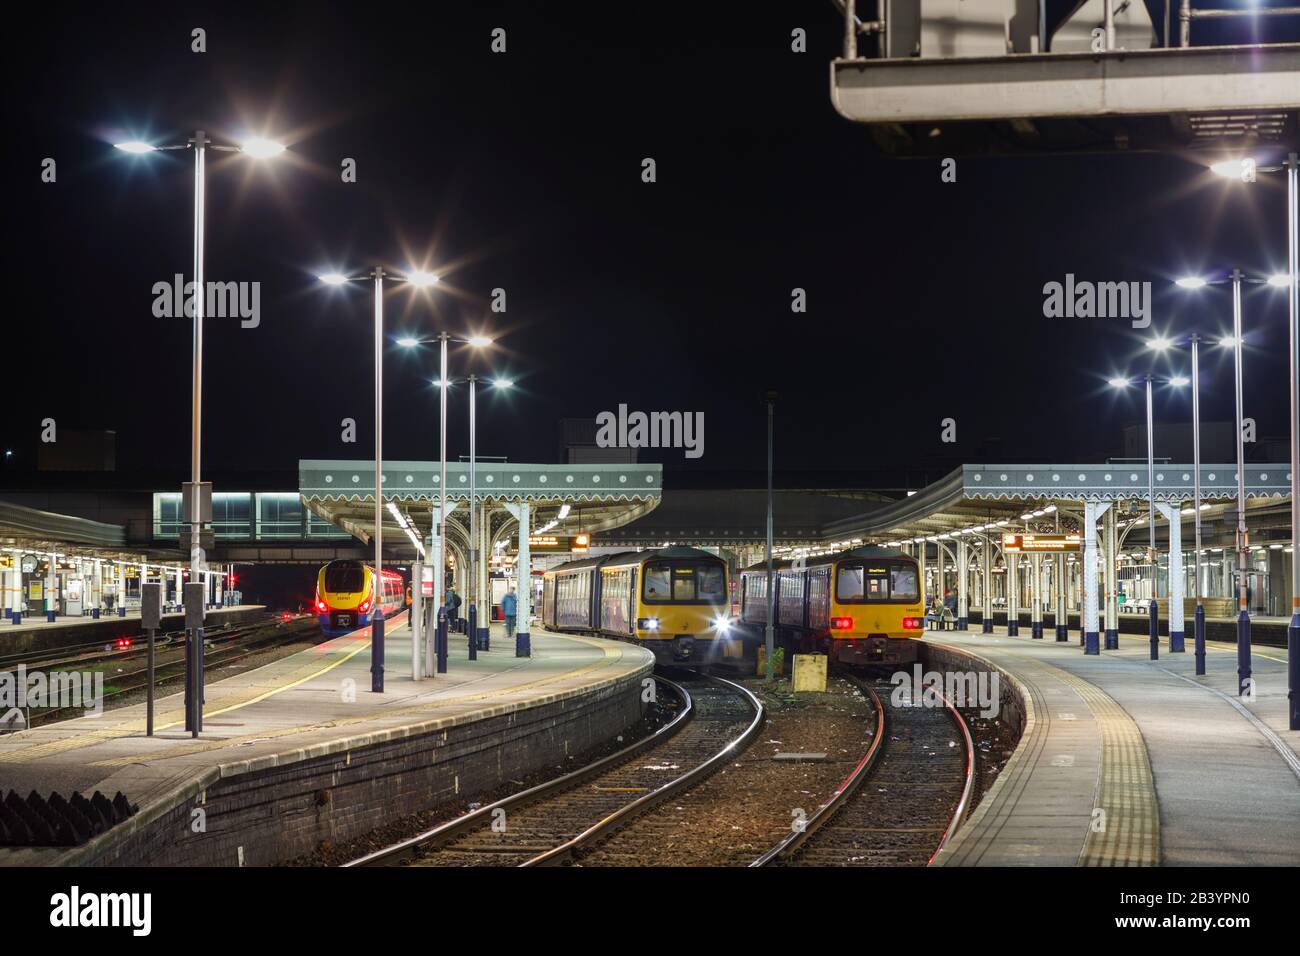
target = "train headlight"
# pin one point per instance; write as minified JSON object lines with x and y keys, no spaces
{"x":647,"y":623}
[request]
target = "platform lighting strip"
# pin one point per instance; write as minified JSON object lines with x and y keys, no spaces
{"x":404,"y":523}
{"x":122,"y":564}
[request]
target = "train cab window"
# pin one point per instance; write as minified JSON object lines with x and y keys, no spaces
{"x":344,"y":578}
{"x":859,"y":583}
{"x":678,"y":582}
{"x":712,"y":582}
{"x":658,"y":582}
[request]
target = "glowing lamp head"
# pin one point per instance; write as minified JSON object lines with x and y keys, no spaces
{"x":333,"y":278}
{"x":479,"y":341}
{"x":1118,"y":383}
{"x":1279,"y":281}
{"x":1178,"y":381}
{"x":1239,"y":169}
{"x":407,"y":342}
{"x":135,"y":146}
{"x":421,"y":279}
{"x":1229,"y":341}
{"x":502,"y":383}
{"x":260,"y":147}
{"x":1159,"y":344}
{"x":1190,"y":282}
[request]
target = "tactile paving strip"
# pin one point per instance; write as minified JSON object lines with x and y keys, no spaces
{"x":1130,"y":834}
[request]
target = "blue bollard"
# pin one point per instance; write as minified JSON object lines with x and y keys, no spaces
{"x":1199,"y":630}
{"x":1153,"y":629}
{"x":17,"y":618}
{"x":1293,"y":664}
{"x":121,"y":611}
{"x":9,"y":612}
{"x":440,"y":641}
{"x":471,"y":630}
{"x":377,"y":652}
{"x":49,"y":616}
{"x":1243,"y":652}
{"x":523,"y":645}
{"x":94,"y":613}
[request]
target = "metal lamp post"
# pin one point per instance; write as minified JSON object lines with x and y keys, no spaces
{"x":1245,"y":171}
{"x":259,"y":148}
{"x":1153,"y":609}
{"x":418,"y":279}
{"x":1199,"y":615}
{"x":1243,"y":552}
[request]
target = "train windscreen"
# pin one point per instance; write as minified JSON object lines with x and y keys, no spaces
{"x":684,"y":582}
{"x":891,"y":581}
{"x":344,"y":578}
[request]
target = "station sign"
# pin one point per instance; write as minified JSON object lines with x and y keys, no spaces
{"x":1055,"y":543}
{"x":575,"y":544}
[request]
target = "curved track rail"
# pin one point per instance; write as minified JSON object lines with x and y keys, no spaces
{"x":547,"y":824}
{"x":922,"y":788}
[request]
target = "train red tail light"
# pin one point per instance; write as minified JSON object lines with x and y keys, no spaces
{"x":122,"y":643}
{"x":913,"y":624}
{"x":841,"y":623}
{"x":365,"y":605}
{"x":321,"y":606}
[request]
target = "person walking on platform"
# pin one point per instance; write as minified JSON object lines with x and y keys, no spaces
{"x":509,"y":607}
{"x":453,"y":610}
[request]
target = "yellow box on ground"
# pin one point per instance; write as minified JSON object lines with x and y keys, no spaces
{"x":810,"y":673}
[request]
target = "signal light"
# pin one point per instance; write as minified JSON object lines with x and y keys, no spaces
{"x":841,"y":623}
{"x":913,"y":624}
{"x":122,"y":643}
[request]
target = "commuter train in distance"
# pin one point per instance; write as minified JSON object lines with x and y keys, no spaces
{"x":674,"y":602}
{"x":346,"y":596}
{"x":857,"y":607}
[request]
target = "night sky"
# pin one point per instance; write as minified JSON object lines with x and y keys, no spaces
{"x":523,"y":171}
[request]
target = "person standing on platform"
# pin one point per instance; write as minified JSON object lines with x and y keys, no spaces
{"x":509,"y":607}
{"x":453,"y":610}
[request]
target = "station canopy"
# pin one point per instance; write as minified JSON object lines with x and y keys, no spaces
{"x":598,"y":497}
{"x":978,"y":499}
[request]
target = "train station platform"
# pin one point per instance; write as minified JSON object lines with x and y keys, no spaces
{"x":1124,"y":761}
{"x":301,"y":751}
{"x":35,"y":635}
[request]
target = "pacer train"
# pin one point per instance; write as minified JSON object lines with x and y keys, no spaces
{"x":346,"y":596}
{"x":857,"y":606}
{"x":673,"y":601}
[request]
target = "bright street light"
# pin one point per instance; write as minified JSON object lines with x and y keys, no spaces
{"x":1159,"y":344}
{"x":135,"y":146}
{"x":260,"y":147}
{"x":479,"y":341}
{"x":1191,"y":282}
{"x":1279,"y":281}
{"x":1118,"y":383}
{"x":333,"y":278}
{"x":421,"y":279}
{"x":502,"y":383}
{"x":1178,"y":381}
{"x":407,"y":342}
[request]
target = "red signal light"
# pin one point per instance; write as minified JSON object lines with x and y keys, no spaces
{"x":841,"y":623}
{"x":913,"y":624}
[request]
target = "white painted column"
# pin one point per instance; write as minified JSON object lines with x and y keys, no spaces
{"x":1177,"y":586}
{"x":1035,"y":596}
{"x":484,"y":545}
{"x":523,"y":586}
{"x":1110,"y":555}
{"x":963,"y":559}
{"x":1092,"y":510}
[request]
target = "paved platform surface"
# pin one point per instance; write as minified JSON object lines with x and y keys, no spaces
{"x":313,"y":702}
{"x":1131,"y":762}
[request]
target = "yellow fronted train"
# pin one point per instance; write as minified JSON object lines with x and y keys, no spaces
{"x":672,"y":601}
{"x":858,"y":606}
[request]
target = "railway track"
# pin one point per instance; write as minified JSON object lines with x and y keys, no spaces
{"x":549,"y":823}
{"x":221,"y":648}
{"x":902,"y":801}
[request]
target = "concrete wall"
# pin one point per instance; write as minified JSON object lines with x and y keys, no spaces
{"x":277,"y":812}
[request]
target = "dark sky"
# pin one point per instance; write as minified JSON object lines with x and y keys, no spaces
{"x":522,"y":171}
